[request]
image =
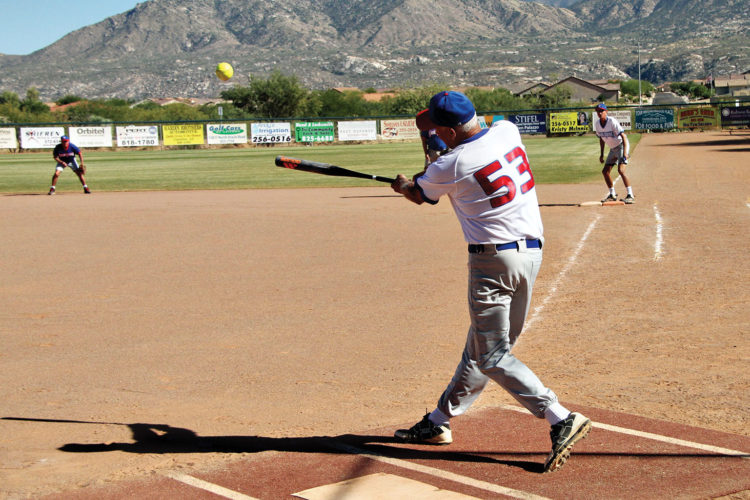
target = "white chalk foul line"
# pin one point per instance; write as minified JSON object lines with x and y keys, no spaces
{"x":654,"y":437}
{"x":571,"y":261}
{"x":206,"y":486}
{"x":659,"y":228}
{"x":442,"y":474}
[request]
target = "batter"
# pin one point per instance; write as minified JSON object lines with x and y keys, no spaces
{"x":487,"y":178}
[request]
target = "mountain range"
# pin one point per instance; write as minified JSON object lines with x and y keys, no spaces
{"x":170,"y":47}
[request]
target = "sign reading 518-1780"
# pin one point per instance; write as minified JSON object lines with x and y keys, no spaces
{"x":270,"y":133}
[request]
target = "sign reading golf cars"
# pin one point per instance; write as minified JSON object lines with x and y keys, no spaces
{"x":264,"y":133}
{"x":226,"y":133}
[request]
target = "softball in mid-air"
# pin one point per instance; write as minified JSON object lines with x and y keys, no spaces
{"x":224,"y":71}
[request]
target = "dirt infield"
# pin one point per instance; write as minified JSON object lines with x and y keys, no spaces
{"x":291,"y":313}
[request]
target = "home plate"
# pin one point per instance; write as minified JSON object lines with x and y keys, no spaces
{"x":379,"y":487}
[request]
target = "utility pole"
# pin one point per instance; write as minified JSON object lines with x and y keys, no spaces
{"x":640,"y":99}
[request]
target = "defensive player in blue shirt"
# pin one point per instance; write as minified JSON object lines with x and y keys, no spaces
{"x":65,"y":156}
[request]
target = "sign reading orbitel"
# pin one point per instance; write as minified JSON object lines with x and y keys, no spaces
{"x":91,"y":137}
{"x":134,"y":136}
{"x":530,"y":124}
{"x":703,"y":117}
{"x":569,"y":122}
{"x":314,"y":132}
{"x":183,"y":134}
{"x":271,"y":133}
{"x":365,"y":130}
{"x":8,"y":138}
{"x":654,"y":119}
{"x":735,"y":117}
{"x":41,"y":137}
{"x":399,"y":129}
{"x":226,"y":133}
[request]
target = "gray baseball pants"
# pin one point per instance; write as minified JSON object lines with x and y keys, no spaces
{"x":500,"y":288}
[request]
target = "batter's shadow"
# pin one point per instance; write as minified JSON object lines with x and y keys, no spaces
{"x":165,"y":439}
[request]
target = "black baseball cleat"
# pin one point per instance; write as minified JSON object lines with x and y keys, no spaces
{"x":564,"y":435}
{"x":87,"y":190}
{"x":425,"y":432}
{"x":629,"y":199}
{"x":610,"y":197}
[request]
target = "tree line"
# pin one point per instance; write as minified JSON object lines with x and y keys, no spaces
{"x":283,"y":96}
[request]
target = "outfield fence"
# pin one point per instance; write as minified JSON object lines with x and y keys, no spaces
{"x":267,"y":132}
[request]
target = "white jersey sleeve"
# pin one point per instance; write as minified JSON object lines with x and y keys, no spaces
{"x":489,"y":182}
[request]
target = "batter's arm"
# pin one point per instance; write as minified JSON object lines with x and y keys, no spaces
{"x":408,"y":188}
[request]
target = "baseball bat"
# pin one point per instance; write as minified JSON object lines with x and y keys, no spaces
{"x":326,"y":169}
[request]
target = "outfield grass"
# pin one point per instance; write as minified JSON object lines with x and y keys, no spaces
{"x":557,"y":160}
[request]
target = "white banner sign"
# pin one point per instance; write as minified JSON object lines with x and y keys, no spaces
{"x":8,"y":138}
{"x":358,"y":131}
{"x":137,"y":135}
{"x":91,"y":137}
{"x":226,"y":133}
{"x":264,"y":133}
{"x":399,"y":129}
{"x":621,"y":116}
{"x":41,"y":137}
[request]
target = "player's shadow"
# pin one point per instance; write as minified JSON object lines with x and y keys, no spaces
{"x":163,"y":439}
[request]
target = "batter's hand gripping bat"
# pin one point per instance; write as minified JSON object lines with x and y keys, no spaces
{"x":325,"y":169}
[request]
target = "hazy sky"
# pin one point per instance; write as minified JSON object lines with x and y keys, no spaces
{"x":32,"y":25}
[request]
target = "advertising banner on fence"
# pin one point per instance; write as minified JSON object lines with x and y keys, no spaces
{"x":226,"y":133}
{"x":568,"y":122}
{"x":735,"y":117}
{"x":137,"y":135}
{"x":182,"y":134}
{"x":358,"y":131}
{"x":271,"y":133}
{"x":703,"y":117}
{"x":41,"y":137}
{"x":530,"y":123}
{"x":8,"y":138}
{"x":399,"y":129}
{"x":654,"y":119}
{"x":314,"y":132}
{"x":91,"y":137}
{"x":622,"y":116}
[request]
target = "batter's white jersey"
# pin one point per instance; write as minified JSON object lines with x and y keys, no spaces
{"x":489,"y":182}
{"x":609,"y":132}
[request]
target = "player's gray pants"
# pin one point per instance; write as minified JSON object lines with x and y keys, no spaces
{"x":500,"y":287}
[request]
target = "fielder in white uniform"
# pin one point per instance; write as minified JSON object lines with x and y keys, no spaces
{"x":488,"y":180}
{"x":611,"y":133}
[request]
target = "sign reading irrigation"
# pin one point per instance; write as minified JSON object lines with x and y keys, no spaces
{"x":270,"y":133}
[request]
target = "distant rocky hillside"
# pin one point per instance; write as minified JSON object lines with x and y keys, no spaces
{"x":170,"y":47}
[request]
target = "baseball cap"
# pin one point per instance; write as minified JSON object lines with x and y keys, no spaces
{"x":601,"y":105}
{"x":65,"y":138}
{"x":451,"y":109}
{"x":423,"y":120}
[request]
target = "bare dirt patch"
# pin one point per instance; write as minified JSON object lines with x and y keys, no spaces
{"x":326,"y":311}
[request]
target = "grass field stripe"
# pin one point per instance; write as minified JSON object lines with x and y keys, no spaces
{"x":442,"y":474}
{"x":653,"y":437}
{"x":561,"y":275}
{"x":206,"y":486}
{"x":659,"y":227}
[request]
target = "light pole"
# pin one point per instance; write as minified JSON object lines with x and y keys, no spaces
{"x":640,"y":99}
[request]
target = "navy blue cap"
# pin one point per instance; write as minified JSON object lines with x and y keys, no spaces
{"x":435,"y":143}
{"x":65,"y":138}
{"x":451,"y":109}
{"x":601,"y":105}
